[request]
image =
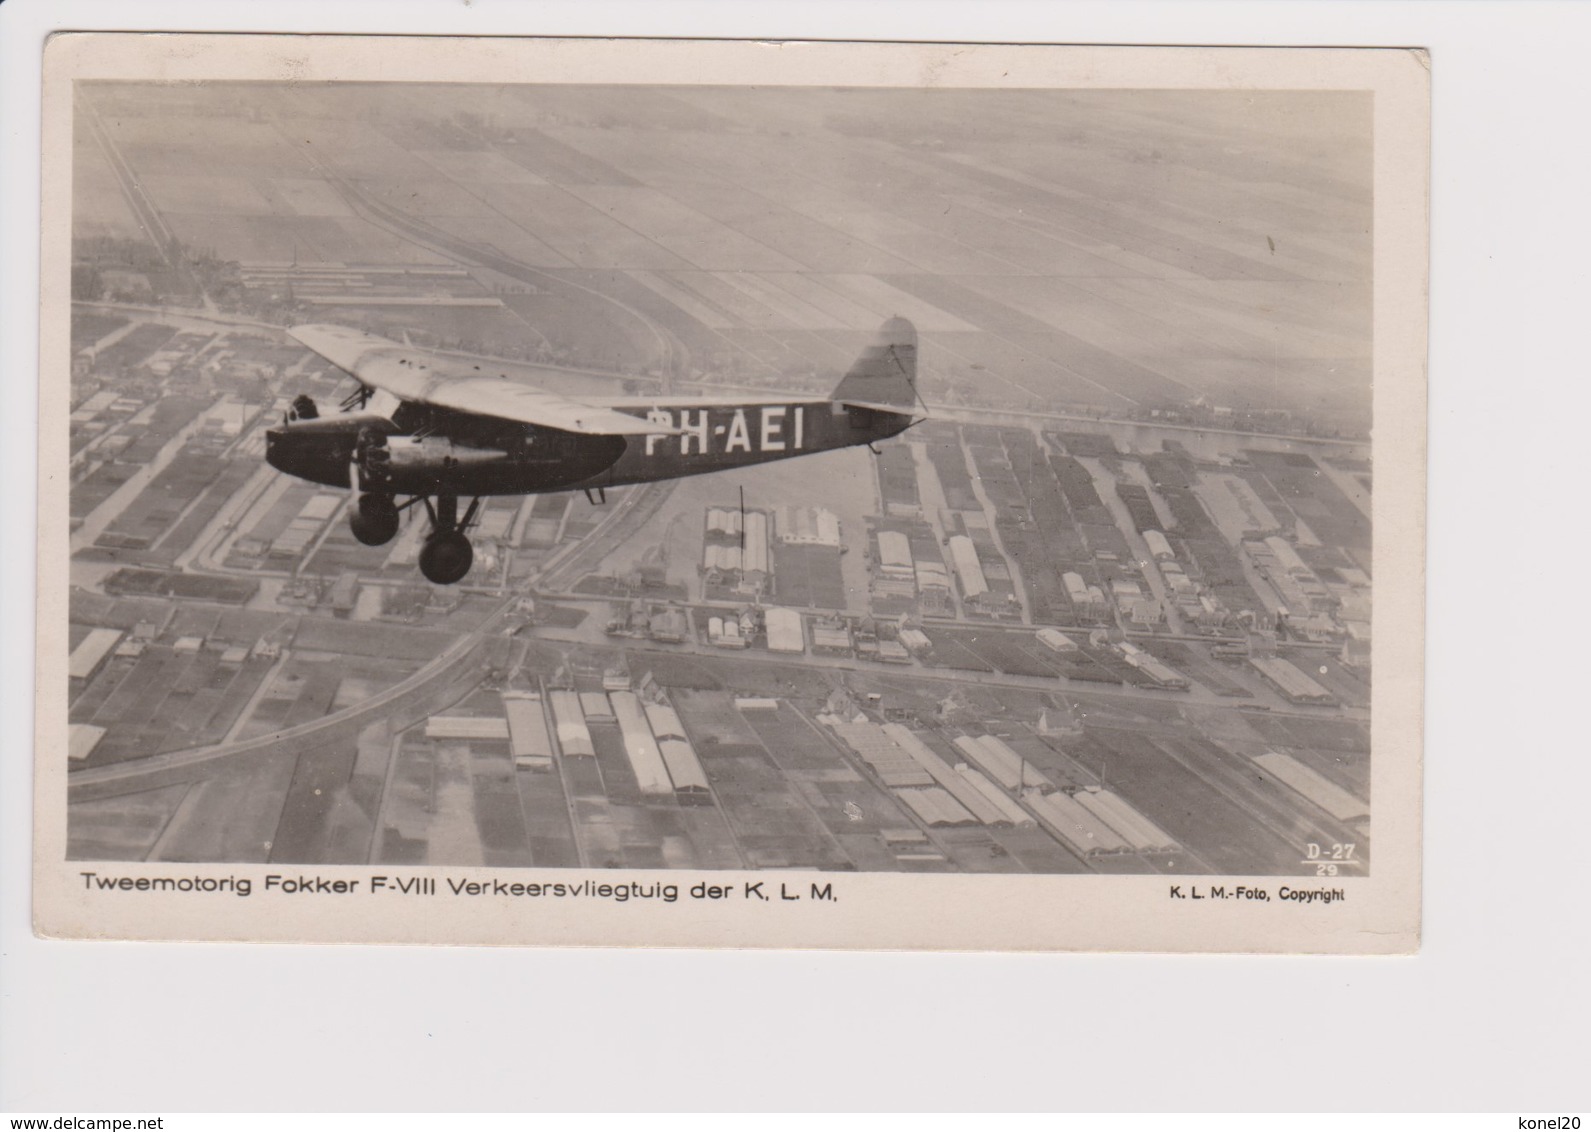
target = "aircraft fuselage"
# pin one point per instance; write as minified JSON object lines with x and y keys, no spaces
{"x":442,"y":452}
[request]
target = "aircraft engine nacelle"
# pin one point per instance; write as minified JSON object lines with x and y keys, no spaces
{"x":435,"y":453}
{"x":434,"y":464}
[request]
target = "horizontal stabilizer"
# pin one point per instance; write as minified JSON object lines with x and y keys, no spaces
{"x":876,"y":406}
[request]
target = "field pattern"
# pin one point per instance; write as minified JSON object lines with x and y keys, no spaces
{"x":1124,"y":251}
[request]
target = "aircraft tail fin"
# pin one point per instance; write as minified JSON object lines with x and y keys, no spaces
{"x":885,"y":375}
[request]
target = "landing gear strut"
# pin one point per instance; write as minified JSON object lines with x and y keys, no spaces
{"x":374,"y":516}
{"x":447,"y":556}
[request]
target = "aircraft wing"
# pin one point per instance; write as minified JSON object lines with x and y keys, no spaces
{"x":414,"y":375}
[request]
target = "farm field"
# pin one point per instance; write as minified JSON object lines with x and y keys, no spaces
{"x":1119,"y":251}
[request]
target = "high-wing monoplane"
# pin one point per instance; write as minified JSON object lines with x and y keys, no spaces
{"x":425,"y":429}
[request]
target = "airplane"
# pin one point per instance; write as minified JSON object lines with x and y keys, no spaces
{"x":434,"y":430}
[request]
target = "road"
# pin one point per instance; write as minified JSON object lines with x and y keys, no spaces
{"x":187,"y":765}
{"x":590,"y":632}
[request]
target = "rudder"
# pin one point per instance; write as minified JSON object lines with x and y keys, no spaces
{"x":885,"y":374}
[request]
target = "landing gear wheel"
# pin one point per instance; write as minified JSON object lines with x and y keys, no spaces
{"x":446,"y":557}
{"x":373,"y":519}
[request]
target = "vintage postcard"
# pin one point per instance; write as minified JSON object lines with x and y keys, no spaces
{"x":674,"y":493}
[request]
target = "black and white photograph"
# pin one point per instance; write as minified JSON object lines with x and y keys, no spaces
{"x":603,"y":484}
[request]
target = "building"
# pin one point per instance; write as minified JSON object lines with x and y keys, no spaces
{"x":1356,"y":644}
{"x":668,"y":625}
{"x":895,"y":555}
{"x":1300,"y":590}
{"x":344,"y":594}
{"x":530,"y":743}
{"x":808,"y":526}
{"x":574,"y":738}
{"x":964,"y":557}
{"x":831,"y":635}
{"x":916,"y":640}
{"x":90,"y":654}
{"x":755,"y":558}
{"x":1293,"y":684}
{"x":467,"y":727}
{"x":1056,"y":641}
{"x":81,"y":739}
{"x":1162,"y":675}
{"x":646,"y":757}
{"x":784,"y":631}
{"x":1146,"y":613}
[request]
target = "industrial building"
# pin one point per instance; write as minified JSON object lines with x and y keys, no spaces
{"x":895,"y":555}
{"x":685,"y":771}
{"x":1160,"y":674}
{"x":466,"y":727}
{"x":997,"y":798}
{"x":81,"y":739}
{"x":755,"y":560}
{"x":958,"y":786}
{"x":964,"y":556}
{"x":832,"y":635}
{"x":1076,"y":826}
{"x":530,"y":744}
{"x":1290,"y":682}
{"x":784,"y":631}
{"x":1324,"y":793}
{"x":893,"y":766}
{"x":90,"y":654}
{"x":723,"y":522}
{"x":916,"y":640}
{"x":995,"y":758}
{"x":1088,"y":602}
{"x":935,"y":807}
{"x":908,"y":572}
{"x":808,"y":526}
{"x":574,"y":738}
{"x":1356,"y":644}
{"x":646,"y":758}
{"x":1056,"y":641}
{"x":735,"y":547}
{"x":1143,"y":835}
{"x":596,"y":707}
{"x":1302,"y":592}
{"x":724,"y":633}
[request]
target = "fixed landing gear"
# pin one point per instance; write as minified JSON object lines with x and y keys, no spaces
{"x":447,"y":555}
{"x":373,"y":518}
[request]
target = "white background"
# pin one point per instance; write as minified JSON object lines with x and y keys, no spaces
{"x":1490,"y":1015}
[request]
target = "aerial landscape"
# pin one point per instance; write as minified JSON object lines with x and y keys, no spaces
{"x":1105,"y":610}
